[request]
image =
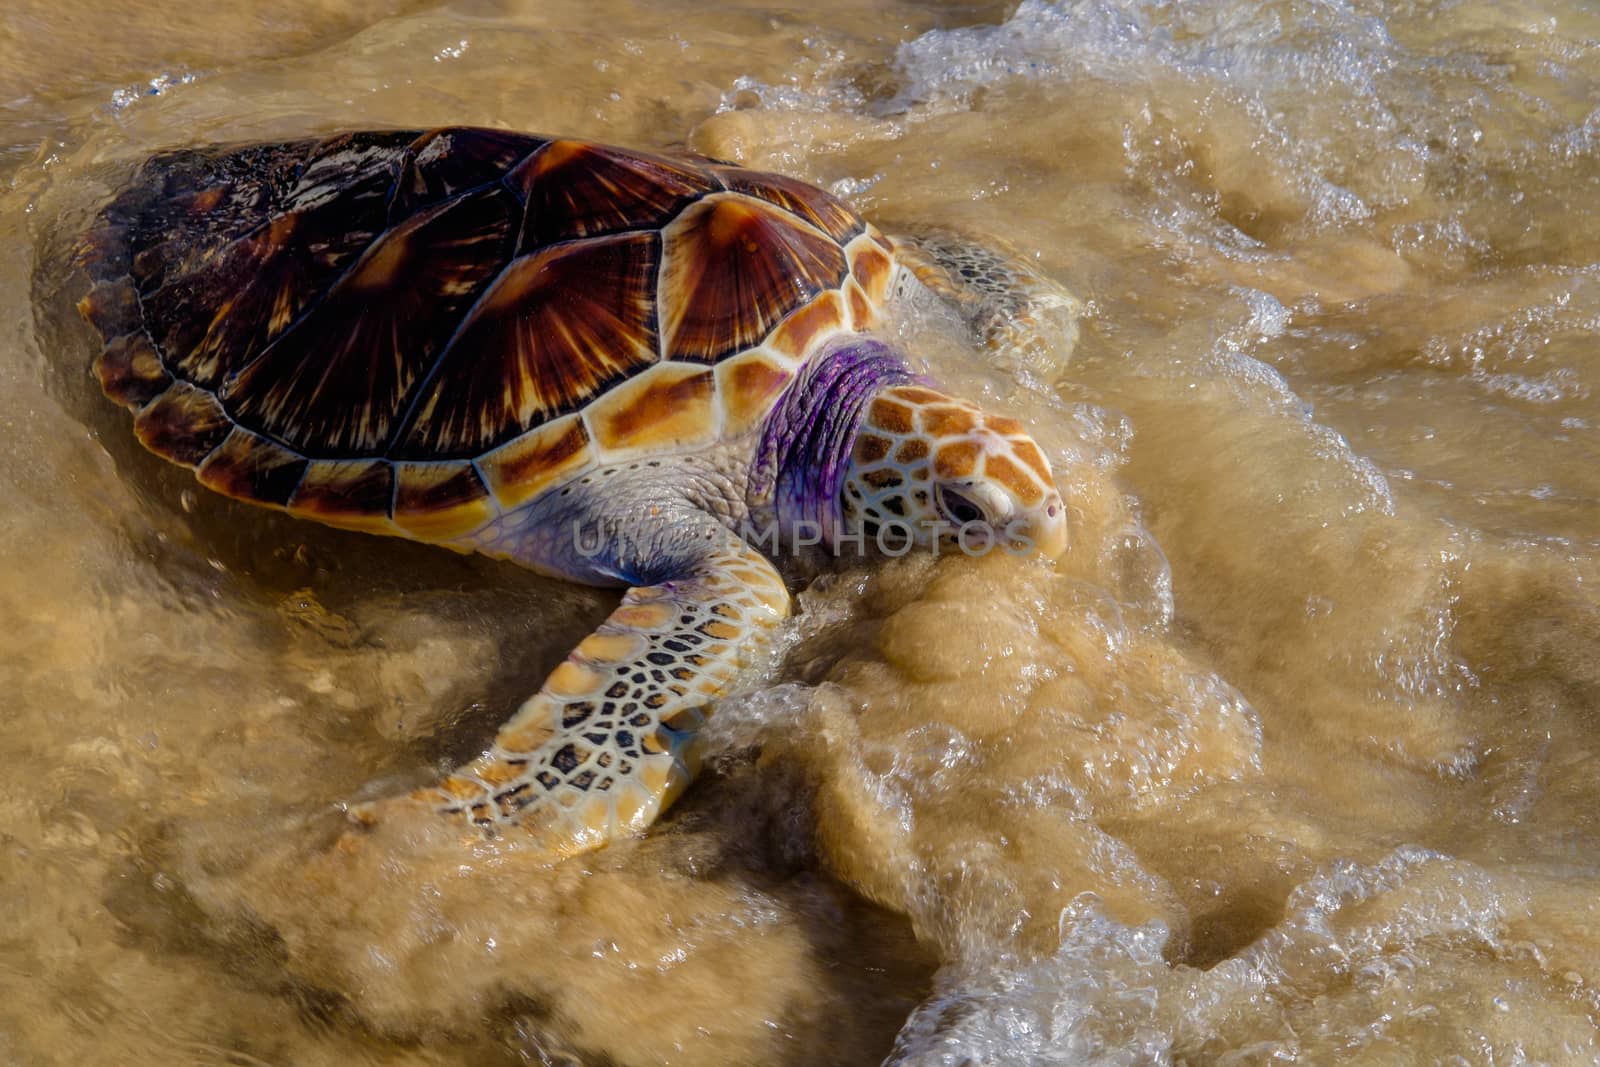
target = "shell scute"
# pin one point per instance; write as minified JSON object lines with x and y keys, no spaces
{"x":670,"y":406}
{"x":871,"y":267}
{"x":183,"y":206}
{"x":112,"y":308}
{"x":355,"y":170}
{"x":747,"y":385}
{"x":338,"y":381}
{"x":184,"y":424}
{"x":247,"y":466}
{"x":452,"y":159}
{"x":214,"y":321}
{"x":823,"y":210}
{"x":527,"y":466}
{"x":733,"y":267}
{"x":352,"y":494}
{"x":130,"y":370}
{"x":195,"y":226}
{"x":863,"y":316}
{"x":576,"y":189}
{"x":440,"y":501}
{"x":554,"y":330}
{"x":807,"y":326}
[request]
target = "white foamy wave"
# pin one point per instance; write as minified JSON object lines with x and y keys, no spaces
{"x":1088,"y":1004}
{"x":1108,"y":996}
{"x":1309,"y":87}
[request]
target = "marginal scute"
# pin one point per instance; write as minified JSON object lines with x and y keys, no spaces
{"x":807,"y":327}
{"x":912,"y":450}
{"x":440,"y":501}
{"x":863,"y":316}
{"x":732,"y":268}
{"x":824,"y":211}
{"x":555,"y":329}
{"x":530,"y":464}
{"x":871,"y":267}
{"x":338,"y":382}
{"x":130,"y":370}
{"x":668,"y":407}
{"x":747,"y":385}
{"x":183,"y":424}
{"x":352,"y":494}
{"x":578,"y":189}
{"x":247,"y":466}
{"x":112,"y":308}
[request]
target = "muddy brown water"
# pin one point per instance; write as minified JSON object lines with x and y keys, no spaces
{"x":1293,"y":757}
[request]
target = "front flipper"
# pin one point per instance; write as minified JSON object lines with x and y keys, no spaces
{"x":1005,"y":300}
{"x":608,"y":742}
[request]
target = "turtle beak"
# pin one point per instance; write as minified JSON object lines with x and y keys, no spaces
{"x":1047,"y":526}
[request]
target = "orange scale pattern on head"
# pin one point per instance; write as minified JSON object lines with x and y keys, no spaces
{"x":948,"y":420}
{"x":956,"y":460}
{"x":1022,"y":485}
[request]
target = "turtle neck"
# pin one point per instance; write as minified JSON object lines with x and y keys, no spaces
{"x":800,"y":462}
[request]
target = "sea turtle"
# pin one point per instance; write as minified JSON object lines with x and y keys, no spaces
{"x":622,"y":368}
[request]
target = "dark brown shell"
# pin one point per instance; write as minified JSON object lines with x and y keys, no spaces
{"x":409,"y":331}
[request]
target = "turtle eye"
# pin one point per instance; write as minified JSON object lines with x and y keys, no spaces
{"x":958,"y":509}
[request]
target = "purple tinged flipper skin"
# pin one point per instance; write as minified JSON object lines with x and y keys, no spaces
{"x":800,"y":463}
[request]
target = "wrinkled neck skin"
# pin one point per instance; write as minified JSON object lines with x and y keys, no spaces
{"x":799,"y":465}
{"x":640,"y":523}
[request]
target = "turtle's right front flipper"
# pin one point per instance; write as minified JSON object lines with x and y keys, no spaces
{"x":608,"y":742}
{"x":1005,"y":300}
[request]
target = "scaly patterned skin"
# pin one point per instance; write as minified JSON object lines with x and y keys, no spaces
{"x":941,"y":470}
{"x":609,"y":741}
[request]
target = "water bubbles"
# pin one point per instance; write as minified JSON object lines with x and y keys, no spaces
{"x":124,"y":98}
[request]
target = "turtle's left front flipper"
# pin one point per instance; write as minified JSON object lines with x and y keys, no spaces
{"x":609,"y":741}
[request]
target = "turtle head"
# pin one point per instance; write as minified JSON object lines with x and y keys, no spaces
{"x":931,"y":470}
